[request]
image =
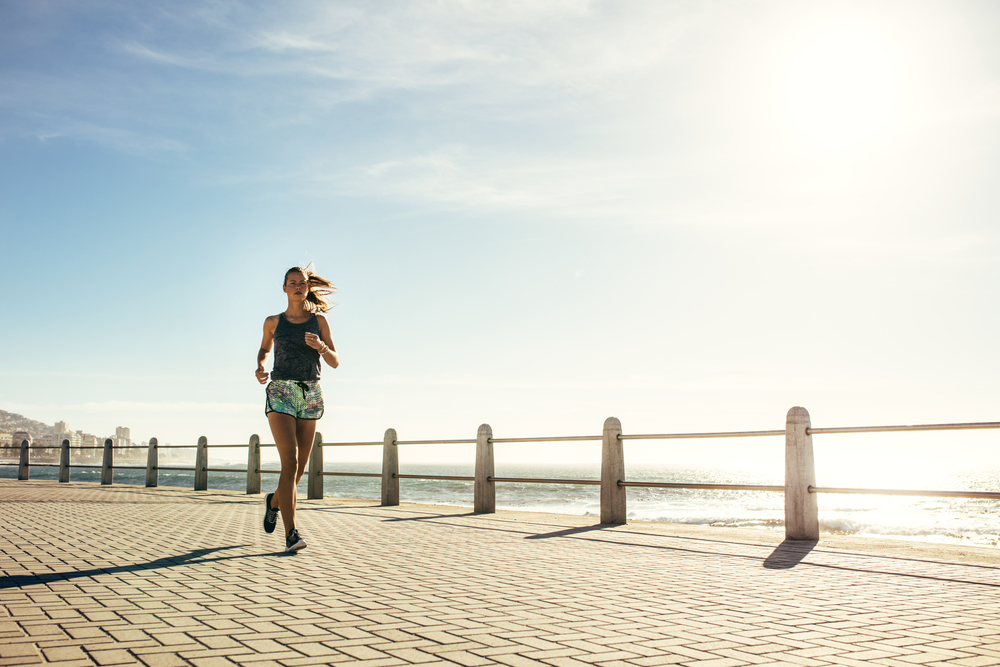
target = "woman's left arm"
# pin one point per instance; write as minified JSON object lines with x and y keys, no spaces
{"x":324,"y":343}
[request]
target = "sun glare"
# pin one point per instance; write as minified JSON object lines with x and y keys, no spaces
{"x":839,"y":89}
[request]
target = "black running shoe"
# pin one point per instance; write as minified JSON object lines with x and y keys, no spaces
{"x":270,"y":515}
{"x":293,"y":542}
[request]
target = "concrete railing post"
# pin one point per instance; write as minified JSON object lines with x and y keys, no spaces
{"x":22,"y":468}
{"x":613,"y":507}
{"x":108,"y":464}
{"x":801,"y":508}
{"x":64,"y":461}
{"x":253,"y":465}
{"x":153,"y":464}
{"x":314,"y":485}
{"x":390,"y":468}
{"x":201,"y":465}
{"x":485,"y":489}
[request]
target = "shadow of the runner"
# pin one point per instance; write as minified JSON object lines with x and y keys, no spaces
{"x":788,"y":554}
{"x":196,"y":556}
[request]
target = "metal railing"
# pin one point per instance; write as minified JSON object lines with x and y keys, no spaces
{"x":800,"y":489}
{"x":152,"y":467}
{"x":967,"y":426}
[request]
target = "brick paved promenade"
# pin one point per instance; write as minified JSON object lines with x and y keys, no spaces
{"x":127,"y":575}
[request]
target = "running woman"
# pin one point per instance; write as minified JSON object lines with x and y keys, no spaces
{"x":300,"y":337}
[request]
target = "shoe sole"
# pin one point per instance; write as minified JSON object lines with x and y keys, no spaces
{"x":269,"y":528}
{"x":295,"y":547}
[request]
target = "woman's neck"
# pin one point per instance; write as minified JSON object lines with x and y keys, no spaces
{"x":297,"y":311}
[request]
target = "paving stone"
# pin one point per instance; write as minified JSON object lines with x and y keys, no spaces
{"x":19,"y":653}
{"x":112,"y":657}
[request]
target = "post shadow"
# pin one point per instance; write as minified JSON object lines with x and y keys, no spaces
{"x":570,"y":531}
{"x":788,"y":554}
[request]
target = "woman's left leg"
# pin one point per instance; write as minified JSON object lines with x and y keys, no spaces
{"x":305,"y":431}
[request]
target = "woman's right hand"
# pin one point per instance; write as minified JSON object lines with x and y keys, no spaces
{"x":261,"y":375}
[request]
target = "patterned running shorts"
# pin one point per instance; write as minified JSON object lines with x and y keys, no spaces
{"x":301,"y":399}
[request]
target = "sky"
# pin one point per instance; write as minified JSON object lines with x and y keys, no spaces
{"x":691,"y":216}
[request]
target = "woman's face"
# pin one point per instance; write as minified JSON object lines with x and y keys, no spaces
{"x":296,"y":286}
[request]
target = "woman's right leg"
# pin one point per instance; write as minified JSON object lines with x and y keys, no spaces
{"x":283,"y":430}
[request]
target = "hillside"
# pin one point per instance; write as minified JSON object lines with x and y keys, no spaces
{"x":11,"y":422}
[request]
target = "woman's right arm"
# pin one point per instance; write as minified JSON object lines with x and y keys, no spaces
{"x":265,"y":347}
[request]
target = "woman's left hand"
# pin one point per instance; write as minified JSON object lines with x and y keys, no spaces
{"x":313,"y":341}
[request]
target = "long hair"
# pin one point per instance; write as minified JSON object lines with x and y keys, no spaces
{"x":319,"y":288}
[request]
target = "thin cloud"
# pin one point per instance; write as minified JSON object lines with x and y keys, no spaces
{"x":128,"y":141}
{"x":473,"y":50}
{"x":141,"y":51}
{"x":459,"y":178}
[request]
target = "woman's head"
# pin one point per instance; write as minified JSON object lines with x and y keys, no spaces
{"x":313,"y":287}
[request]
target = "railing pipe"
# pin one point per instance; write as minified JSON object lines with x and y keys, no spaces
{"x":484,"y":494}
{"x":436,"y":442}
{"x":717,"y":487}
{"x":691,"y":436}
{"x":992,"y":495}
{"x":390,"y":468}
{"x":353,"y":474}
{"x":455,"y":478}
{"x":543,"y":480}
{"x":552,"y":438}
{"x":918,"y":427}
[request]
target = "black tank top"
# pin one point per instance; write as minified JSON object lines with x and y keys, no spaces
{"x":293,"y":359}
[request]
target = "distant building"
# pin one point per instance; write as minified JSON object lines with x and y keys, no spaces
{"x":123,"y":436}
{"x":20,"y":436}
{"x":61,"y":431}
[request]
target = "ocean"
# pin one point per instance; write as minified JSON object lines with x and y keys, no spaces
{"x":948,"y":520}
